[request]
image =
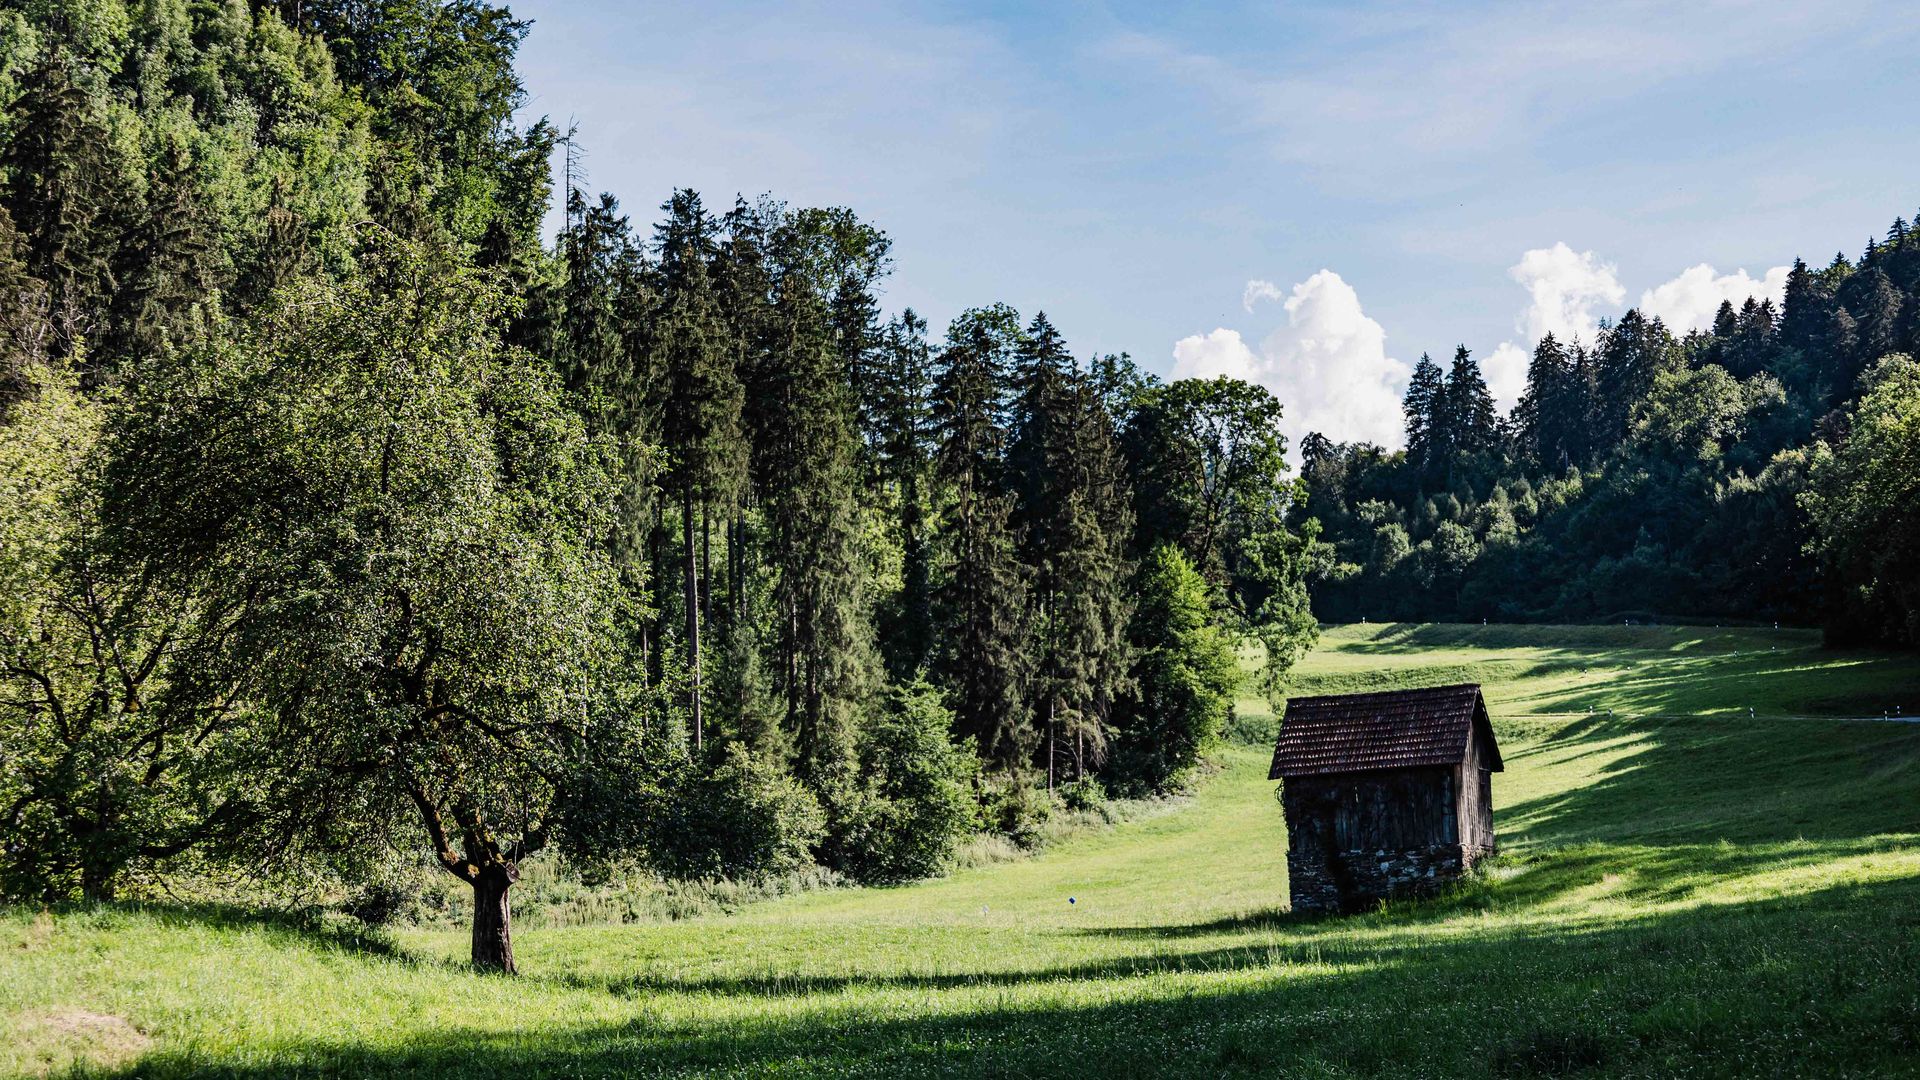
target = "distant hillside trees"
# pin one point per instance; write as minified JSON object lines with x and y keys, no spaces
{"x":1640,"y":475}
{"x":1861,"y":496}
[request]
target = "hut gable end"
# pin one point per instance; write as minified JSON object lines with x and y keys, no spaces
{"x":1397,"y":729}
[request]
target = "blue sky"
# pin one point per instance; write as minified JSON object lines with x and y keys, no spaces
{"x":1308,"y":195}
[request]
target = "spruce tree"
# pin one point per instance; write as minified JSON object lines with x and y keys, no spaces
{"x":982,"y":602}
{"x":1875,"y":305}
{"x":701,"y":414}
{"x":1626,"y":358}
{"x":1423,"y":400}
{"x":168,"y":265}
{"x":59,"y":192}
{"x":1469,"y":405}
{"x":829,"y":668}
{"x":24,"y":331}
{"x":902,"y":399}
{"x":1540,"y":415}
{"x":1071,"y":522}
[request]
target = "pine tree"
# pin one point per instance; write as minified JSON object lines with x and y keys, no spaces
{"x":702,"y":424}
{"x":1423,"y":400}
{"x":829,"y":669}
{"x":1071,"y":522}
{"x":982,"y":601}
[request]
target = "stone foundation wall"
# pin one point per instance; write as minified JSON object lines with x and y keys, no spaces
{"x":1356,"y":880}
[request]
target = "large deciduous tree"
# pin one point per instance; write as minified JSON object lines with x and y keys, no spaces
{"x":417,"y":522}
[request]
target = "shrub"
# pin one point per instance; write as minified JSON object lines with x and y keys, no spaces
{"x":746,"y":818}
{"x":914,"y":802}
{"x":1084,"y":795}
{"x":1018,"y":808}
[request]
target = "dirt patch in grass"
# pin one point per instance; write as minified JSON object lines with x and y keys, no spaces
{"x":62,"y":1039}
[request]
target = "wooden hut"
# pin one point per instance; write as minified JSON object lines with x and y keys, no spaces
{"x":1385,"y":794}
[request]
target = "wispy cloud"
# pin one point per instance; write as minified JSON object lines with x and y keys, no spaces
{"x":1413,"y":85}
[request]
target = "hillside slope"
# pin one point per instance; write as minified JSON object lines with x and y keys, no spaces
{"x":1681,"y":893}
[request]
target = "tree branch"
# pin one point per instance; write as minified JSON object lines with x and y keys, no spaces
{"x":437,"y":831}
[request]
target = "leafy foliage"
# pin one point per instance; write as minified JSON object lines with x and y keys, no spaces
{"x":1184,"y":679}
{"x":1861,"y":498}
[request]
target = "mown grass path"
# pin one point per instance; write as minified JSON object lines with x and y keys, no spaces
{"x":1695,"y":893}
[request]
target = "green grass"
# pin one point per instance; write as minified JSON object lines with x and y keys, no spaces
{"x":1685,"y":890}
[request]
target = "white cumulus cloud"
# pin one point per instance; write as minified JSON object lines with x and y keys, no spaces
{"x":1506,"y":371}
{"x":1689,"y":301}
{"x":1566,"y":287}
{"x":1328,"y":365}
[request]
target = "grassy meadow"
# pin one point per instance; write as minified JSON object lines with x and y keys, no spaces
{"x":1684,"y":889}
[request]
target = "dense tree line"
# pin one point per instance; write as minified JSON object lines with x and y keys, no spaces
{"x":342,"y":514}
{"x":1713,"y":475}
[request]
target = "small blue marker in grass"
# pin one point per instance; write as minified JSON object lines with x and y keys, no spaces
{"x":1071,"y":900}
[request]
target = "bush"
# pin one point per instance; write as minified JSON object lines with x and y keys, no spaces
{"x":747,"y":818}
{"x":1017,"y":808}
{"x":914,"y":803}
{"x":384,"y":902}
{"x":1084,"y":795}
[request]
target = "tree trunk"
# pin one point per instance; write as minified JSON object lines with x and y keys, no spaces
{"x":1050,"y":750}
{"x":706,"y":565}
{"x":693,"y":615}
{"x":492,"y":921}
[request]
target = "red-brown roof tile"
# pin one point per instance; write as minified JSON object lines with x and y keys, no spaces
{"x":1397,"y":729}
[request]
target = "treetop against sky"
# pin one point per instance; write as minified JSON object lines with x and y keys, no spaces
{"x":1310,"y":195}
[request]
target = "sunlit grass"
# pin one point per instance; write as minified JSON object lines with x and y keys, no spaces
{"x":1684,"y":890}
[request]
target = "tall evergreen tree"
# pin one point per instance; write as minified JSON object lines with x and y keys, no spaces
{"x":1875,"y":305}
{"x":702,"y":430}
{"x":902,"y":400}
{"x":59,"y":190}
{"x":829,"y":669}
{"x":1541,"y":417}
{"x":1627,"y":357}
{"x":1466,"y":423}
{"x":982,"y":600}
{"x":1425,"y":391}
{"x":1072,"y":523}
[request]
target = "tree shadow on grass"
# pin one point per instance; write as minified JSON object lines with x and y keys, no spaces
{"x":1701,"y":780}
{"x":1544,"y":897}
{"x":310,"y":928}
{"x":1733,"y":989}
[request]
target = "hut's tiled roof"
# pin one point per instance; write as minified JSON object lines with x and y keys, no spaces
{"x":1397,"y":729}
